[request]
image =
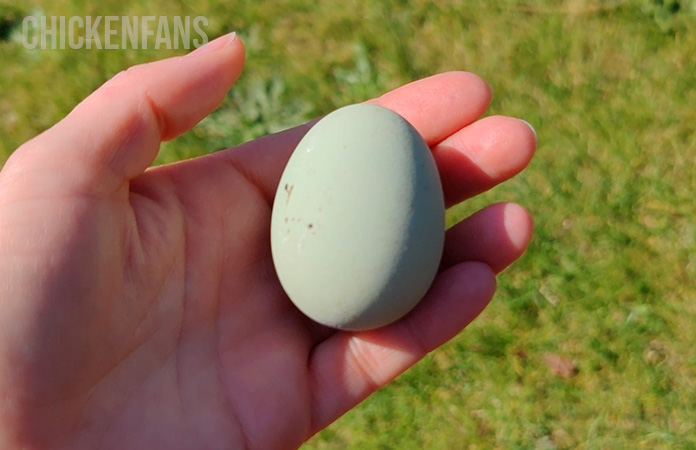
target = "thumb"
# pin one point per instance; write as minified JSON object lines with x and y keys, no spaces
{"x":115,"y":133}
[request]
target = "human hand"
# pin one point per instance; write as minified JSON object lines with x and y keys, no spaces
{"x":139,"y":307}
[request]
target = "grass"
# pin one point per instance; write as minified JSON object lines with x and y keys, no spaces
{"x":608,"y":282}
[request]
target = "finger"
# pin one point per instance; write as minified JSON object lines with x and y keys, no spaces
{"x":496,"y":235}
{"x":439,"y":105}
{"x":348,"y":367}
{"x":436,"y":106}
{"x":483,"y":155}
{"x":114,"y":134}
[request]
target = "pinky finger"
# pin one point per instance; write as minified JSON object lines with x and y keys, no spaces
{"x":348,"y":367}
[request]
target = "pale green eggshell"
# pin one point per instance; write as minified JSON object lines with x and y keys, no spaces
{"x":358,"y":227}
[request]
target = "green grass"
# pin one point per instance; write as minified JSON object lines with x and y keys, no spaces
{"x":608,"y":280}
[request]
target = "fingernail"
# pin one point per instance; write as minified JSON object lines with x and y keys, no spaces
{"x":215,"y":44}
{"x":536,"y":136}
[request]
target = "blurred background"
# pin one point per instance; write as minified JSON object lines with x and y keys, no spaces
{"x":589,"y":343}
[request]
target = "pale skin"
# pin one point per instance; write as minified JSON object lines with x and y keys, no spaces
{"x":139,"y":307}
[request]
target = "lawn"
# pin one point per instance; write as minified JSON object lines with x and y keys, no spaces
{"x":589,"y":341}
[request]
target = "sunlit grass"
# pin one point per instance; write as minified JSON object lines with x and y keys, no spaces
{"x":608,"y":282}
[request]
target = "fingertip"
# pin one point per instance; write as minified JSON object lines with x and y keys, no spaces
{"x":483,"y":154}
{"x":481,"y":88}
{"x":519,"y":226}
{"x":230,"y":39}
{"x":219,"y":64}
{"x":497,"y":236}
{"x":439,"y":105}
{"x":506,"y":145}
{"x":237,"y":56}
{"x":534,"y":131}
{"x":528,"y":141}
{"x":475,"y":86}
{"x":471,"y":90}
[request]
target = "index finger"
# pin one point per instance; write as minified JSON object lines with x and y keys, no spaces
{"x":437,"y":107}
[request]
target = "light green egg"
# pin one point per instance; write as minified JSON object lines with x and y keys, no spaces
{"x":358,"y":221}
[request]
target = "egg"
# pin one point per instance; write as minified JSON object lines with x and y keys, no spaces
{"x":358,"y":220}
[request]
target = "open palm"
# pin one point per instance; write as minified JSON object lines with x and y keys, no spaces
{"x":139,"y":308}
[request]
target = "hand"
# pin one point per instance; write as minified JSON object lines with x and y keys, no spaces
{"x":139,"y":308}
